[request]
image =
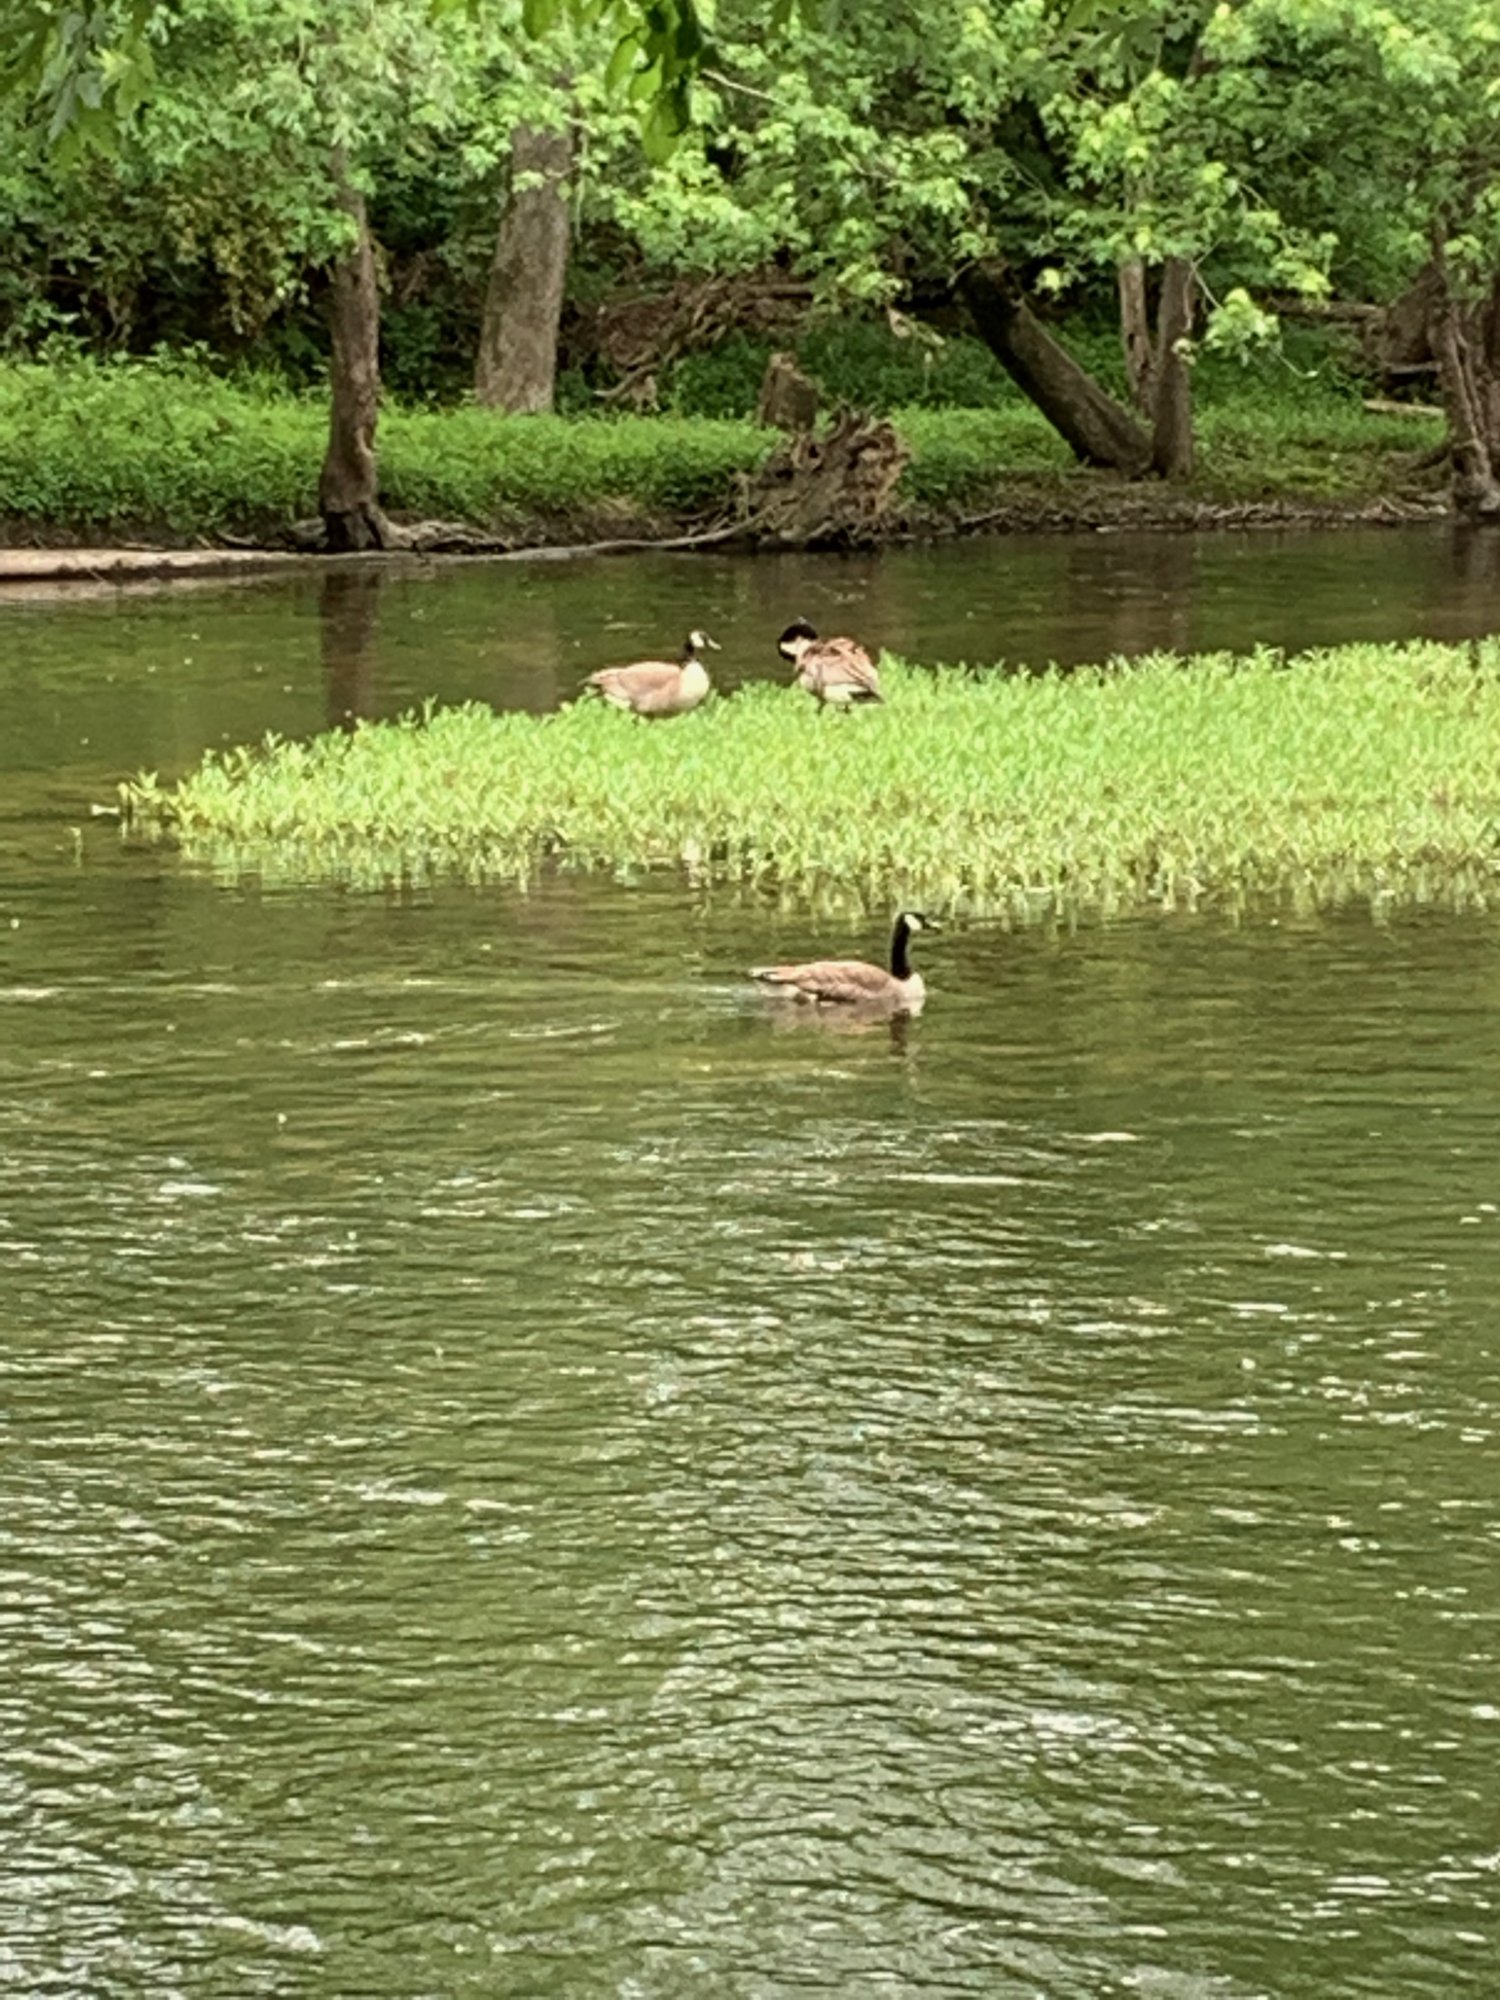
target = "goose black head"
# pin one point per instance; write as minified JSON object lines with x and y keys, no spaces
{"x":797,"y":636}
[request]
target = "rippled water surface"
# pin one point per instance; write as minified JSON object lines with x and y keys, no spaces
{"x":526,"y":1470}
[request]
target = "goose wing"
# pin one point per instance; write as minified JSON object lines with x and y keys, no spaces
{"x":846,"y":979}
{"x":843,"y":663}
{"x":638,"y":686}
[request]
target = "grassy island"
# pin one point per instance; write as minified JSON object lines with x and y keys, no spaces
{"x":1359,"y":772}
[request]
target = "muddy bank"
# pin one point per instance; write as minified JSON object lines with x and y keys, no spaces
{"x":35,"y":555}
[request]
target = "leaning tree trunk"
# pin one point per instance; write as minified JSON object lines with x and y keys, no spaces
{"x":1171,"y":376}
{"x":1466,"y":344}
{"x":347,"y":490}
{"x":517,"y":363}
{"x":1096,"y":427}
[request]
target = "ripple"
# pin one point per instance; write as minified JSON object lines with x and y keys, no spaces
{"x":619,"y":1503}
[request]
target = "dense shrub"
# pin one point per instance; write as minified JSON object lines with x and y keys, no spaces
{"x":167,"y":444}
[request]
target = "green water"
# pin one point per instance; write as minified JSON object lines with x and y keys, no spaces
{"x":526,"y":1470}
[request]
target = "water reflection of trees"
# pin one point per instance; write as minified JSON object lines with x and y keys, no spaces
{"x":348,"y":617}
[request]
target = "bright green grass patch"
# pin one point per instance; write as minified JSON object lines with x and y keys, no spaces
{"x":92,"y":447}
{"x":1366,"y":771}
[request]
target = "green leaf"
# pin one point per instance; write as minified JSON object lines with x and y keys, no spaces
{"x":622,"y":62}
{"x":647,"y":83}
{"x":667,"y":118}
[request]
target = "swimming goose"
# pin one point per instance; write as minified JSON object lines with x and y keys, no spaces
{"x":838,"y":672}
{"x":853,"y":982}
{"x":658,"y":687}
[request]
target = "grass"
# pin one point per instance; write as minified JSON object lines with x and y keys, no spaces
{"x":101,"y":448}
{"x":88,"y":446}
{"x":1361,"y":772}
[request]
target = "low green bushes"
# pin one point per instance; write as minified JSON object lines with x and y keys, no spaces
{"x":476,"y":465}
{"x":90,"y":446}
{"x":85,"y":445}
{"x":94,"y":448}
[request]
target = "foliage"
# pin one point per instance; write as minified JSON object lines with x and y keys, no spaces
{"x":1276,"y":143}
{"x":88,"y":67}
{"x":1273,"y":141}
{"x":1366,"y":771}
{"x":951,"y":131}
{"x":87,"y":446}
{"x":857,"y":361}
{"x":1376,"y":124}
{"x":91,"y":65}
{"x":167,"y":443}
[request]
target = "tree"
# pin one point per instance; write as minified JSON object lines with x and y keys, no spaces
{"x":1382,"y":128}
{"x":517,"y":365}
{"x":329,"y":101}
{"x":528,"y":106}
{"x":348,"y":486}
{"x":1012,"y":152}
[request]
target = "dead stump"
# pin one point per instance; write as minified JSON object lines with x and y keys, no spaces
{"x":830,"y":491}
{"x":788,"y":398}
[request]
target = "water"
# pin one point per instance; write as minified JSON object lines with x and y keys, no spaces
{"x":526,"y":1469}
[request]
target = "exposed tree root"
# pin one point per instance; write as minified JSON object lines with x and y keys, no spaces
{"x":831,"y":491}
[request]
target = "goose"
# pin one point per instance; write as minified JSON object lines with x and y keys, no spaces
{"x":658,"y":687}
{"x":854,"y":982}
{"x":837,"y":672}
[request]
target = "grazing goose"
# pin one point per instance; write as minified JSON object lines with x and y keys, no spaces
{"x":658,"y":687}
{"x":837,"y":672}
{"x":853,"y":982}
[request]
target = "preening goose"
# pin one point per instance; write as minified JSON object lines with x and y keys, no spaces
{"x":838,"y":672}
{"x":658,"y":687}
{"x":853,"y":981}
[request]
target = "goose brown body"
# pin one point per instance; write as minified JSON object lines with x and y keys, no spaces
{"x":837,"y":672}
{"x":854,"y":981}
{"x":658,"y":687}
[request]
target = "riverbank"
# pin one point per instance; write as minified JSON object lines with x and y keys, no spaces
{"x":93,"y":457}
{"x":1359,"y":773}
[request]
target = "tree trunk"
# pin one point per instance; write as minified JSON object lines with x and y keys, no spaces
{"x":1135,"y":334}
{"x":1466,"y":343}
{"x":517,"y":364}
{"x":1172,"y":393}
{"x":1095,"y":426}
{"x":1398,"y":338}
{"x":347,"y":492}
{"x":788,"y":398}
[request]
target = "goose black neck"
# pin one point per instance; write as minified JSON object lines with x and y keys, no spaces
{"x":900,"y":937}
